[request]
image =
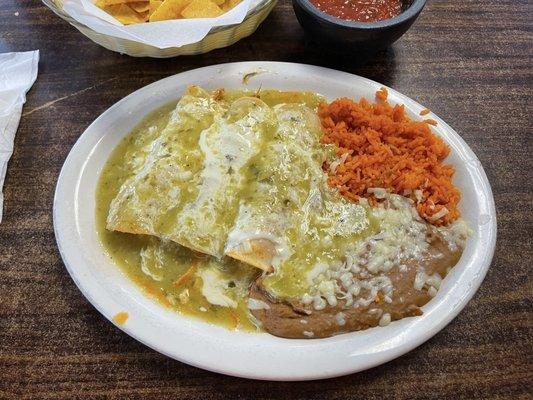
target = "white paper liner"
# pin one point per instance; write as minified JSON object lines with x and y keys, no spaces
{"x":161,"y":34}
{"x":18,"y":71}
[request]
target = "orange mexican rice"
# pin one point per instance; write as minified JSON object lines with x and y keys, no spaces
{"x":383,"y":148}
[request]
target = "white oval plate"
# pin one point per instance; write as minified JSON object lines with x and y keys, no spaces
{"x":252,"y":355}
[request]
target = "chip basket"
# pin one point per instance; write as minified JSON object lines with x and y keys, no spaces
{"x":221,"y":36}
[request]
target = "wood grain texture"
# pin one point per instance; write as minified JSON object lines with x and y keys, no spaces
{"x":469,"y":61}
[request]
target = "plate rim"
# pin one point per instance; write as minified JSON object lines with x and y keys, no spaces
{"x":379,"y":358}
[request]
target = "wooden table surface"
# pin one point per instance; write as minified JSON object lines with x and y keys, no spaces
{"x":469,"y":61}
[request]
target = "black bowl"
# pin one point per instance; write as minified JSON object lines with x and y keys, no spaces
{"x":366,"y":37}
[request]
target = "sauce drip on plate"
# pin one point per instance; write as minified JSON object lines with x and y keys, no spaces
{"x":360,"y":10}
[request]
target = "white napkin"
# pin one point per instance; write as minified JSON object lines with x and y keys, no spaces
{"x":18,"y":71}
{"x":161,"y":34}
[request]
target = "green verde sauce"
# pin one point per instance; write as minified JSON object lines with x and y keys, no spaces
{"x":276,"y":179}
{"x":165,"y":260}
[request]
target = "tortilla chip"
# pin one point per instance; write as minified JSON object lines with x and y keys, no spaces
{"x":229,"y":4}
{"x":145,"y":15}
{"x":124,"y":14}
{"x":140,"y":6}
{"x":106,"y":3}
{"x":154,"y":5}
{"x":169,"y":9}
{"x":201,"y":9}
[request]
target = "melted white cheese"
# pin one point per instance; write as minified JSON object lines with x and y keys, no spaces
{"x":215,"y":287}
{"x":254,"y":304}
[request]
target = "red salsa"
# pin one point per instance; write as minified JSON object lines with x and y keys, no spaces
{"x":360,"y":10}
